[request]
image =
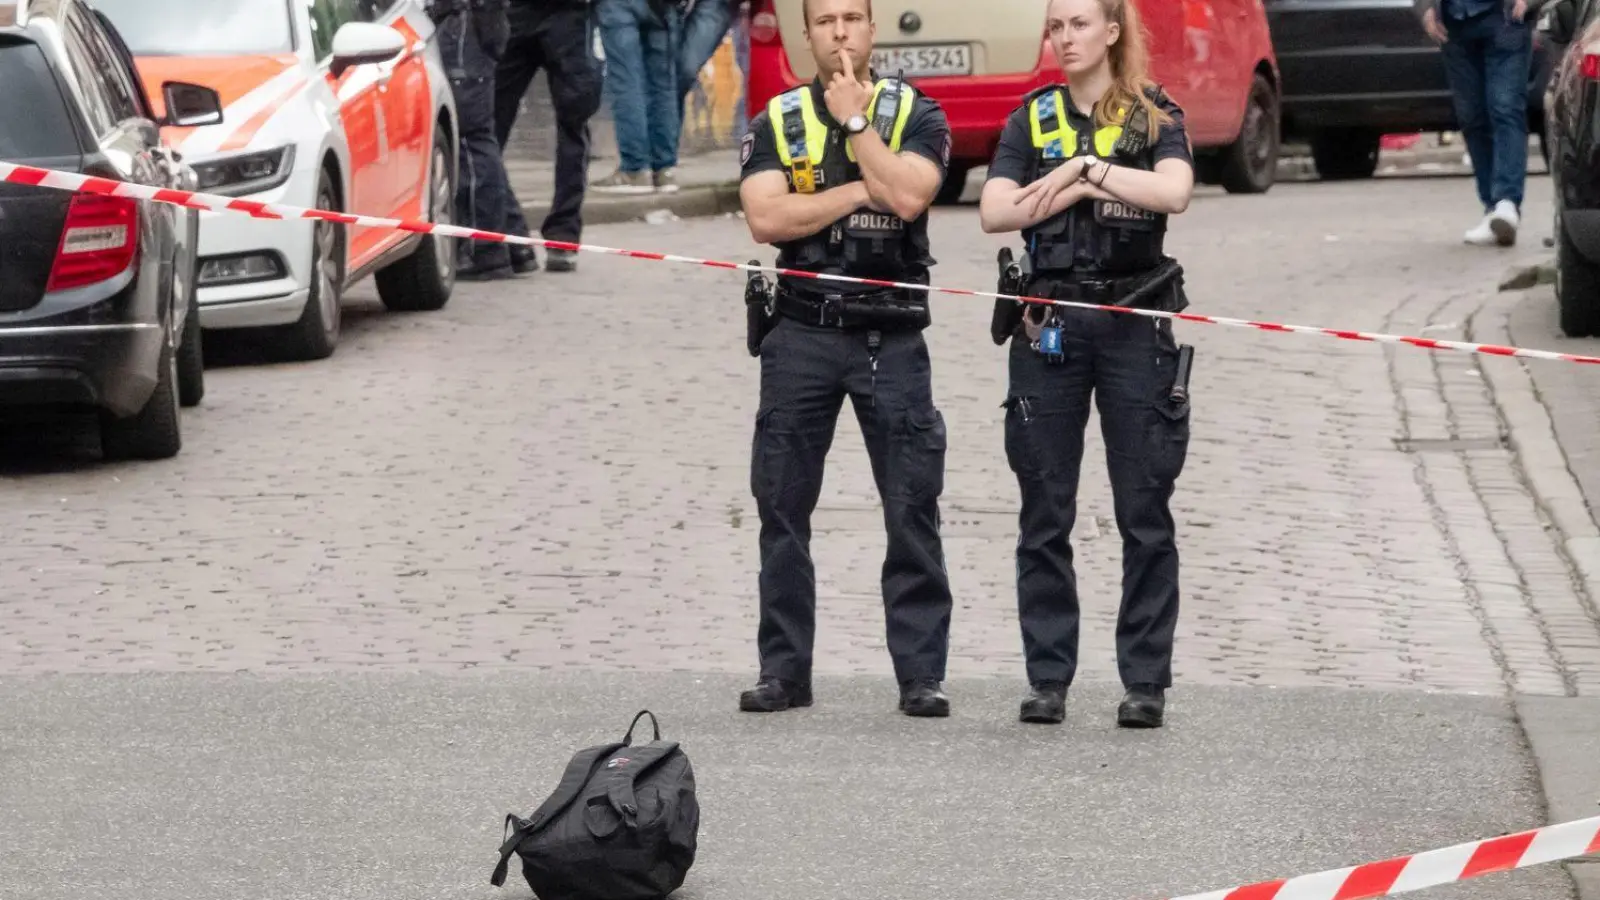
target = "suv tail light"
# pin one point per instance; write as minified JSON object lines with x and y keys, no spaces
{"x":763,"y":22}
{"x":1591,"y":66}
{"x":98,"y":241}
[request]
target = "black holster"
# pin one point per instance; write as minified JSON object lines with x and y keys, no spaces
{"x":759,"y":314}
{"x":1008,"y":313}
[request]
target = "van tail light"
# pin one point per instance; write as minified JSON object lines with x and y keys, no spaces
{"x":98,"y":241}
{"x":763,"y":22}
{"x":1591,"y":66}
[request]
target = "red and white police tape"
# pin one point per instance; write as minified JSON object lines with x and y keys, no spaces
{"x":1431,"y":869}
{"x":69,"y":181}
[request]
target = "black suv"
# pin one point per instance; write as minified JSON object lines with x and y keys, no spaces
{"x":97,"y":293}
{"x":1573,"y":103}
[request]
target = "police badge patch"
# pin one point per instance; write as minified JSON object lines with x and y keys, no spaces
{"x":944,"y":151}
{"x":747,"y":147}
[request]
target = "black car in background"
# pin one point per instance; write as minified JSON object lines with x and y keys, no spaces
{"x":1572,"y":28}
{"x":97,"y":294}
{"x":1355,"y":70}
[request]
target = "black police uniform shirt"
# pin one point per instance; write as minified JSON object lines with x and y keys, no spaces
{"x":1015,"y":155}
{"x":927,"y":134}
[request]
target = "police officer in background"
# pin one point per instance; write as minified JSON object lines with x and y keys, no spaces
{"x":556,"y":36}
{"x":839,"y":174}
{"x":1089,"y":175}
{"x":472,"y":37}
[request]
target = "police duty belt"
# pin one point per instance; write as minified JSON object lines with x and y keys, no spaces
{"x":876,"y":309}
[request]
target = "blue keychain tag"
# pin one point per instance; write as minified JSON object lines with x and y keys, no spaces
{"x":1050,"y":343}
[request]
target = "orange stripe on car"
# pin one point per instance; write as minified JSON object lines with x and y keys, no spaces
{"x":242,"y":136}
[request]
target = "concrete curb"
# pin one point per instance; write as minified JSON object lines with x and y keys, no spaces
{"x":693,"y":201}
{"x":1563,"y":733}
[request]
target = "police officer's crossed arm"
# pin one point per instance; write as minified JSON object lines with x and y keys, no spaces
{"x":901,"y":183}
{"x":775,"y":215}
{"x":1009,"y":205}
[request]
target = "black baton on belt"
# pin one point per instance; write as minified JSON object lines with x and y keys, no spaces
{"x":1180,"y":381}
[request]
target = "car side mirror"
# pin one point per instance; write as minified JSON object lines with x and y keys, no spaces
{"x":1558,"y":21}
{"x":364,"y":43}
{"x":189,"y":105}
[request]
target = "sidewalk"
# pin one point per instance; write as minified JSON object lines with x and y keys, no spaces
{"x":709,"y":182}
{"x":709,"y":186}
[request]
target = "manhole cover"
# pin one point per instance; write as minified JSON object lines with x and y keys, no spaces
{"x":1448,"y":445}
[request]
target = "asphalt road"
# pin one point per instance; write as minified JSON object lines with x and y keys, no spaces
{"x":379,"y":600}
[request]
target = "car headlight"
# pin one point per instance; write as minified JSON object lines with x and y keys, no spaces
{"x":245,"y":173}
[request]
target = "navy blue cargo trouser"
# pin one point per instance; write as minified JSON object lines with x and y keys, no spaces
{"x":806,"y":372}
{"x":1127,"y":363}
{"x":484,"y":192}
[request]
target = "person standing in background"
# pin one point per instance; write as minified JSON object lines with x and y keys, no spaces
{"x":640,"y":38}
{"x":1488,"y":51}
{"x":472,"y":37}
{"x":554,"y":35}
{"x":704,"y":27}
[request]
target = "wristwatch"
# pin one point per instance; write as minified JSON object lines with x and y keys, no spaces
{"x":855,"y":124}
{"x":1089,"y":163}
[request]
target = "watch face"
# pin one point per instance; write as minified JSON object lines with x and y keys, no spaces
{"x":857,"y":122}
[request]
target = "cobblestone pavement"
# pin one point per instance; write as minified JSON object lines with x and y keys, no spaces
{"x":555,"y":474}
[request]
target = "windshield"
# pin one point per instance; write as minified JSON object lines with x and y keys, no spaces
{"x":201,"y":27}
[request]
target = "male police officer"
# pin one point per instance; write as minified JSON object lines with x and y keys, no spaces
{"x":839,"y":174}
{"x":472,"y":37}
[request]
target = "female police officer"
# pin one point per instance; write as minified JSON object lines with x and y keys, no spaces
{"x":1089,"y":175}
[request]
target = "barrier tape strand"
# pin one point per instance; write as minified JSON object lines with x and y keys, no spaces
{"x":69,"y":181}
{"x":1434,"y":868}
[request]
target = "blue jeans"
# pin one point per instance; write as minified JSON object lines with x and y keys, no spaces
{"x":1488,"y":60}
{"x":703,"y":31}
{"x":642,"y":79}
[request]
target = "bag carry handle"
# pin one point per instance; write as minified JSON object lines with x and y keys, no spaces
{"x":654,"y":725}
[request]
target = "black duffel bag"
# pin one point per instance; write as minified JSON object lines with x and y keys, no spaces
{"x":623,"y":824}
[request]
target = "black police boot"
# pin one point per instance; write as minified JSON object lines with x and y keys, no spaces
{"x":775,"y":695}
{"x":1142,"y":707}
{"x":483,"y":266}
{"x":1045,"y":704}
{"x":523,"y":259}
{"x":923,"y":697}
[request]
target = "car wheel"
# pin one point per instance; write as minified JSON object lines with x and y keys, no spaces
{"x":1577,"y":288}
{"x":423,"y":281}
{"x":316,"y":334}
{"x":191,"y":353}
{"x":1250,"y":165}
{"x":1346,"y":154}
{"x":153,"y":432}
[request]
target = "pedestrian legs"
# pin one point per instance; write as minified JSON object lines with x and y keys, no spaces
{"x":1507,"y":63}
{"x":641,"y":77}
{"x":703,"y":30}
{"x":558,"y":39}
{"x":484,"y":190}
{"x":1488,"y":60}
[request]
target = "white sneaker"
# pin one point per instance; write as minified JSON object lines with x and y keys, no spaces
{"x":1503,"y":222}
{"x":1481,"y":234}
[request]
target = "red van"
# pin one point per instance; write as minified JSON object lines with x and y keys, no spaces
{"x":979,"y":57}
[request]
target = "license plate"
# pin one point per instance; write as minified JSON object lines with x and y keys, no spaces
{"x":922,"y":60}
